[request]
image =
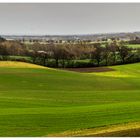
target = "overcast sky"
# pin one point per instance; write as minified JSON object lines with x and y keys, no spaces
{"x":68,"y":18}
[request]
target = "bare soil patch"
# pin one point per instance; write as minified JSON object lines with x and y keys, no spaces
{"x":91,"y":69}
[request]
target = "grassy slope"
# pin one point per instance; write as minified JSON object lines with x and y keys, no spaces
{"x":36,"y":101}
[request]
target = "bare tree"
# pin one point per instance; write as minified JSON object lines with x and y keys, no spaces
{"x":124,"y":51}
{"x":113,"y":49}
{"x":97,"y":53}
{"x":106,"y":53}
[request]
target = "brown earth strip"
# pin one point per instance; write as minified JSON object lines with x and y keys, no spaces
{"x":91,"y":69}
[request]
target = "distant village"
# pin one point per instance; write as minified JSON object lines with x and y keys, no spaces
{"x":45,"y":39}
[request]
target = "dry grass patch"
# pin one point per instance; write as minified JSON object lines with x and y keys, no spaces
{"x":14,"y":64}
{"x":112,"y":130}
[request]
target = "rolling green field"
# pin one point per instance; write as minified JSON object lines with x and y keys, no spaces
{"x":134,"y":45}
{"x":39,"y":101}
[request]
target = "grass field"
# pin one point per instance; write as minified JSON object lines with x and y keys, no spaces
{"x":133,"y":45}
{"x":38,"y":101}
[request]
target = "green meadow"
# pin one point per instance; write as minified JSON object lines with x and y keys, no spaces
{"x":133,"y":45}
{"x":39,"y":101}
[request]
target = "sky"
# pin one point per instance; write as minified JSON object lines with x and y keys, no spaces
{"x":68,"y":18}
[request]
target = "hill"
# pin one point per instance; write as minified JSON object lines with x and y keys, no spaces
{"x":39,"y":101}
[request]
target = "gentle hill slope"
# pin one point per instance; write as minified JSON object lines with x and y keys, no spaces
{"x":38,"y":101}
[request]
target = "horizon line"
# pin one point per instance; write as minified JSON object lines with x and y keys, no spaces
{"x":78,"y":34}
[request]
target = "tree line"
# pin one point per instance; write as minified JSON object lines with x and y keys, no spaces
{"x":81,"y":54}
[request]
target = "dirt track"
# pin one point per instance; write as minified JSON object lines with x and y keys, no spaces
{"x":92,"y":69}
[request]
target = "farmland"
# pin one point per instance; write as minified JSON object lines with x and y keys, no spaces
{"x":41,"y":101}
